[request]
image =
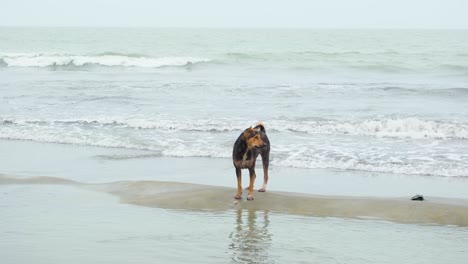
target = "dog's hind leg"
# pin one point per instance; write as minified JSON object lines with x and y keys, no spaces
{"x":239,"y":184}
{"x":265,"y":162}
{"x":252,"y":180}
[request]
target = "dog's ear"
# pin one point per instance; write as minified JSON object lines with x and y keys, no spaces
{"x":260,"y":127}
{"x":247,"y":132}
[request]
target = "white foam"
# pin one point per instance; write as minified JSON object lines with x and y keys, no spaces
{"x":214,"y":138}
{"x":46,"y":60}
{"x":412,"y":128}
{"x":207,"y":125}
{"x":367,"y":163}
{"x":61,"y":136}
{"x":395,"y":128}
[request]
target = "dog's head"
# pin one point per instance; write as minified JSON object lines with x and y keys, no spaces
{"x":253,"y":138}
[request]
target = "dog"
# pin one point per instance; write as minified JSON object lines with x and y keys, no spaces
{"x":252,"y":142}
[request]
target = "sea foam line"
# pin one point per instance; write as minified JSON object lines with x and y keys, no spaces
{"x":395,"y":128}
{"x":311,"y":157}
{"x":411,"y":127}
{"x":47,"y":60}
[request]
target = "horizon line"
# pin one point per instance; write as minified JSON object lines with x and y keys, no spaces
{"x":229,"y":27}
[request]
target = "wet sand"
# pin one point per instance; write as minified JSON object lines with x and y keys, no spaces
{"x":196,"y":197}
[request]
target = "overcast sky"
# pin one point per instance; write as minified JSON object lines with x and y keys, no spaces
{"x":237,"y":13}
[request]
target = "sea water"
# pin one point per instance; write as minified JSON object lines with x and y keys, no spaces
{"x":369,"y":100}
{"x":348,"y":112}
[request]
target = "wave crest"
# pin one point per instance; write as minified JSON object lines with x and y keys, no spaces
{"x":410,"y":127}
{"x":104,"y":59}
{"x":393,"y":128}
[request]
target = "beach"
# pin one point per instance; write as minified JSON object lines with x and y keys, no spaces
{"x":116,"y":144}
{"x":86,"y":208}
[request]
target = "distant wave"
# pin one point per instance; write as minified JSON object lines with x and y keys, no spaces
{"x":300,"y":60}
{"x":410,"y":127}
{"x":460,"y":91}
{"x":457,"y":67}
{"x":389,"y":89}
{"x":380,"y":61}
{"x":307,"y":53}
{"x":104,"y":59}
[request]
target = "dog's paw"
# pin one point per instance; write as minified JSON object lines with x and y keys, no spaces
{"x":250,"y":197}
{"x":262,"y":190}
{"x":238,"y":197}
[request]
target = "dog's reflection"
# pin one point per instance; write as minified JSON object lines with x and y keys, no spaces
{"x":251,"y":239}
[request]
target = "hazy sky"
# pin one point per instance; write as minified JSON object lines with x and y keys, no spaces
{"x":237,"y":13}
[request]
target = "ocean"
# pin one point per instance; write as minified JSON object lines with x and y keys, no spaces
{"x":378,"y":113}
{"x":386,"y":101}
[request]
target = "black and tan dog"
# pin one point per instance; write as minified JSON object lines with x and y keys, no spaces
{"x":251,"y":142}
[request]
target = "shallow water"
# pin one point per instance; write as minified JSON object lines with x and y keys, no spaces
{"x":57,"y":224}
{"x":103,"y":165}
{"x":60,"y":223}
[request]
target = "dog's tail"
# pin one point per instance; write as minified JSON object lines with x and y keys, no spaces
{"x":260,"y":126}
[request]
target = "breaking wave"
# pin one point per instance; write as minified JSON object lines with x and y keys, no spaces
{"x":410,"y":127}
{"x":326,"y":144}
{"x":104,"y":59}
{"x":393,"y":128}
{"x":306,"y":60}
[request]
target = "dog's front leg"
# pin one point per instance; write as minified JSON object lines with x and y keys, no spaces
{"x":252,"y":180}
{"x":239,"y":183}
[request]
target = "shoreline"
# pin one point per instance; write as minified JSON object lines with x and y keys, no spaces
{"x":197,"y":197}
{"x":99,"y":165}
